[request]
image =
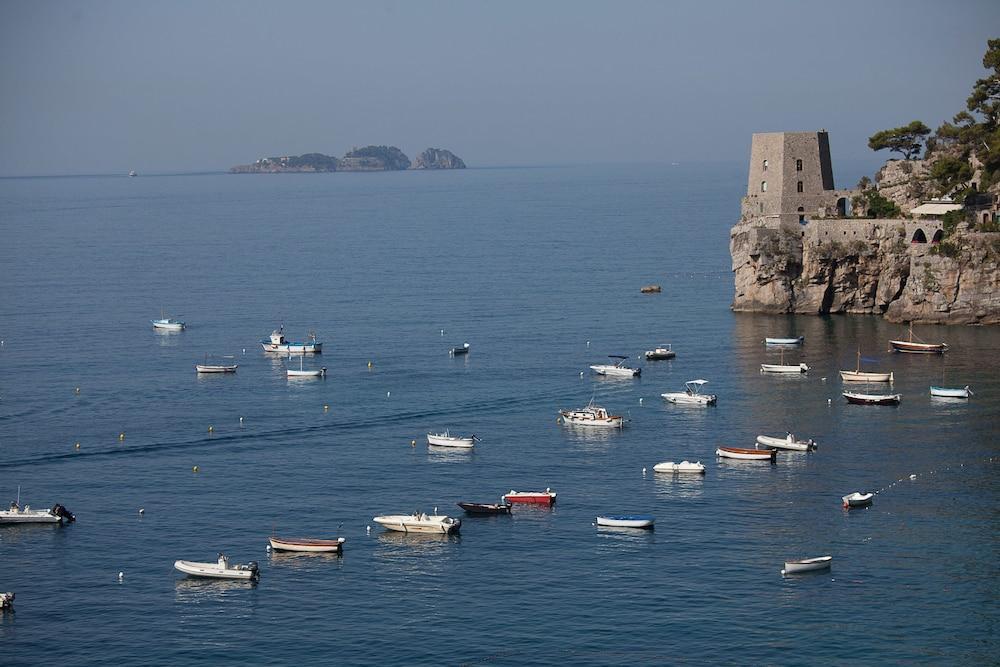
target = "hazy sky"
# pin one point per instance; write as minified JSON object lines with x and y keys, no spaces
{"x":108,"y":86}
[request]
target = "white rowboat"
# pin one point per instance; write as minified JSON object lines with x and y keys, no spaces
{"x":447,"y":440}
{"x":784,"y":341}
{"x":782,"y":368}
{"x":626,"y":520}
{"x":697,"y":468}
{"x":953,"y":392}
{"x":747,"y":454}
{"x":788,"y":442}
{"x":419,"y":523}
{"x":220,"y":569}
{"x":307,"y":545}
{"x":215,"y":368}
{"x":807,"y":565}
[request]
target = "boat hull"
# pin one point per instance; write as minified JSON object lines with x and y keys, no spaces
{"x":439,"y":440}
{"x":306,"y":374}
{"x":167,"y":325}
{"x":610,"y":422}
{"x":784,"y":341}
{"x":307,"y":545}
{"x":857,"y":499}
{"x":872,"y":399}
{"x":616,"y":371}
{"x":785,"y":443}
{"x":293,"y":348}
{"x":747,"y":454}
{"x":626,"y":521}
{"x":682,"y":398}
{"x":778,"y":368}
{"x":485,"y":509}
{"x":659,"y":354}
{"x":860,"y":376}
{"x":30,"y":516}
{"x":684,"y":467}
{"x":408,"y":523}
{"x":209,"y":368}
{"x":807,"y":565}
{"x":917,"y":348}
{"x":533,"y":498}
{"x":215,"y":571}
{"x":949,"y":392}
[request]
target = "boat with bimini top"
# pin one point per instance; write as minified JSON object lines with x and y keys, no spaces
{"x":691,"y":395}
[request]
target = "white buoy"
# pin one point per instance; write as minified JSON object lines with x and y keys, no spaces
{"x":640,"y":401}
{"x":141,"y":511}
{"x":442,"y":333}
{"x":121,"y":575}
{"x":241,"y":421}
{"x":388,"y":393}
{"x":267,"y":548}
{"x":368,"y":530}
{"x":643,"y":471}
{"x":829,"y":401}
{"x":822,"y":379}
{"x":913,"y":476}
{"x":581,"y":373}
{"x":588,"y":343}
{"x":244,"y":350}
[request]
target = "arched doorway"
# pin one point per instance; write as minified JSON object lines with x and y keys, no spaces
{"x":843,"y":207}
{"x":919,"y":237}
{"x":938,"y":235}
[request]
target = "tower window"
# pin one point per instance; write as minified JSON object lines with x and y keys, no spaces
{"x":798,"y":186}
{"x":765,"y":165}
{"x":763,"y":186}
{"x":798,"y":165}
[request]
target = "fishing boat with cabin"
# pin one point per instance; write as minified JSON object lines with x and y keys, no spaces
{"x":591,"y":415}
{"x":277,"y":343}
{"x":660,"y":353}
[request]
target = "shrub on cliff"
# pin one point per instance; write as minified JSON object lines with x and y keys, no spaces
{"x":878,"y":206}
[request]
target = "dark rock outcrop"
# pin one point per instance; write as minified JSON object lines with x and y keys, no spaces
{"x":438,"y":158}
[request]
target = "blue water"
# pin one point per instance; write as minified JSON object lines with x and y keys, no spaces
{"x":539,"y":270}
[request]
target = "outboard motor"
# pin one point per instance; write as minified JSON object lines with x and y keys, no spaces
{"x":61,"y":511}
{"x":255,"y":571}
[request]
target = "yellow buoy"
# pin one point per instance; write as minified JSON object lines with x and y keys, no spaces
{"x":194,"y":469}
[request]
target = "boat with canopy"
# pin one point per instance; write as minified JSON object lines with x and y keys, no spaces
{"x":691,"y":395}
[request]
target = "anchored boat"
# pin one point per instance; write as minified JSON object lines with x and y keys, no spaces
{"x":447,"y":440}
{"x":221,"y":569}
{"x":307,"y":545}
{"x":167,"y":324}
{"x":660,"y":353}
{"x":691,"y":395}
{"x":857,"y":375}
{"x":798,"y":340}
{"x":546,"y":497}
{"x":18,"y":514}
{"x":747,"y":454}
{"x":782,"y":367}
{"x":952,"y":392}
{"x":917,"y":346}
{"x":617,"y":369}
{"x":591,"y":415}
{"x":626,"y":520}
{"x":303,"y":373}
{"x":859,"y":398}
{"x":697,"y":468}
{"x":485,"y":509}
{"x":858,"y":499}
{"x":461,"y":349}
{"x":807,"y":565}
{"x":788,"y":442}
{"x":277,"y":343}
{"x":215,"y":368}
{"x":419,"y":523}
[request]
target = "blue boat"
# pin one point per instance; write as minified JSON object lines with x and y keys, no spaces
{"x":626,"y":520}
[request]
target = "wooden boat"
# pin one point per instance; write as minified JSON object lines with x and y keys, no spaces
{"x":303,"y":373}
{"x":650,"y":289}
{"x":484,"y":509}
{"x":447,"y":440}
{"x":857,"y":375}
{"x":858,"y":499}
{"x":617,"y":369}
{"x":307,"y":545}
{"x":463,"y":349}
{"x":747,"y":454}
{"x":782,"y":367}
{"x":220,"y":569}
{"x":691,"y":395}
{"x":215,"y":368}
{"x":807,"y":565}
{"x":592,"y":415}
{"x":872,"y":399}
{"x":626,"y":520}
{"x":277,"y":343}
{"x":788,"y":442}
{"x":917,"y":347}
{"x":798,"y":340}
{"x":697,"y":468}
{"x":660,"y":353}
{"x":167,"y":324}
{"x":17,"y":514}
{"x":952,"y":392}
{"x":546,"y":497}
{"x":419,"y":523}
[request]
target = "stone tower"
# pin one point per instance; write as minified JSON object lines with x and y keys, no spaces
{"x":791,"y":178}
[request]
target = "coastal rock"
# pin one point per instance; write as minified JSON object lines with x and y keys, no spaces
{"x":308,"y":163}
{"x":905,"y":183}
{"x":438,"y":158}
{"x":374,"y":158}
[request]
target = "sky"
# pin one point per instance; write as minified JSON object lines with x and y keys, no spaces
{"x":107,"y":86}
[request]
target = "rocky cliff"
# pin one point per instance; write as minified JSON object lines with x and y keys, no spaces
{"x":290,"y":164}
{"x":438,"y":158}
{"x":847,"y":266}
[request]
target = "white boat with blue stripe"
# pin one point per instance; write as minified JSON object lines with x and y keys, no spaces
{"x":277,"y":343}
{"x":626,"y":520}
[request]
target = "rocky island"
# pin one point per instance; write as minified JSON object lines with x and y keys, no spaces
{"x":367,"y":158}
{"x":921,"y":243}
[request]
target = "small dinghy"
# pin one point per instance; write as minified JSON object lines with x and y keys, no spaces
{"x":591,"y":415}
{"x":807,"y":565}
{"x":167,"y":324}
{"x":617,"y":369}
{"x":546,"y":497}
{"x":858,"y":499}
{"x":691,"y":395}
{"x":419,"y":523}
{"x":857,"y":375}
{"x":660,"y":353}
{"x":859,"y":398}
{"x":221,"y":569}
{"x":651,"y":289}
{"x":462,"y":349}
{"x":781,"y":367}
{"x":747,"y":454}
{"x":626,"y":520}
{"x":447,"y":440}
{"x":784,"y":341}
{"x":215,"y":368}
{"x":302,"y":372}
{"x":485,"y":509}
{"x":18,"y":514}
{"x":788,"y":442}
{"x":307,"y":545}
{"x":951,"y":392}
{"x":697,"y":468}
{"x":917,"y":347}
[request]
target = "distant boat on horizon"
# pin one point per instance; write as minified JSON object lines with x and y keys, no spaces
{"x":132,"y":174}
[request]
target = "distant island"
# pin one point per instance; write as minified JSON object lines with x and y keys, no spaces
{"x":367,"y":158}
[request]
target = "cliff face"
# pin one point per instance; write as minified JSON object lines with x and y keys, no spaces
{"x":845,"y":266}
{"x":438,"y":158}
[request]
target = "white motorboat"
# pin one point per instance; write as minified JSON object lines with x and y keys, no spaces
{"x":617,"y":369}
{"x":18,"y":514}
{"x":807,"y":565}
{"x":952,"y":392}
{"x":419,"y":523}
{"x":215,"y":368}
{"x":857,"y":375}
{"x":697,"y":468}
{"x":307,"y":545}
{"x":626,"y":520}
{"x":662,"y":352}
{"x":447,"y":440}
{"x":788,"y":442}
{"x":221,"y":569}
{"x":785,"y":341}
{"x":858,"y":499}
{"x":747,"y":454}
{"x":303,"y":373}
{"x":591,"y":415}
{"x":692,"y":395}
{"x":167,"y":324}
{"x":277,"y":343}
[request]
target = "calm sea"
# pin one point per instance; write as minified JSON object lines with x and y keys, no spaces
{"x":539,"y":270}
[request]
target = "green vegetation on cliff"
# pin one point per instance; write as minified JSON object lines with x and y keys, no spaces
{"x":387,"y":158}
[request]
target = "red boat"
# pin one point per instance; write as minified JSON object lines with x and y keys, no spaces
{"x":546,"y":497}
{"x":917,"y":347}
